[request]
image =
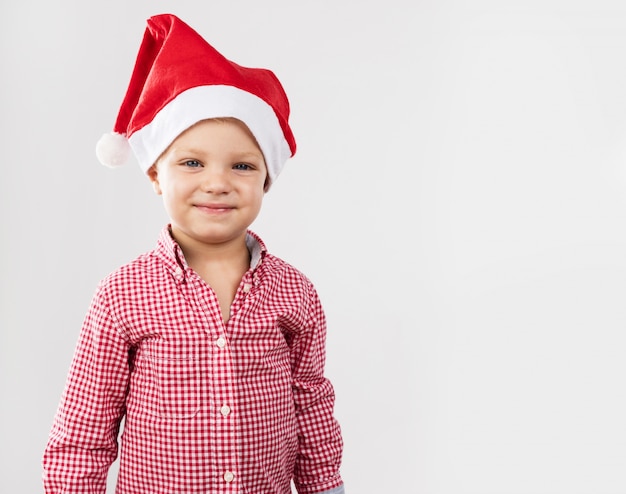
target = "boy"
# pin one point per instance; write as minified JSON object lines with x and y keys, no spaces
{"x":210,"y":347}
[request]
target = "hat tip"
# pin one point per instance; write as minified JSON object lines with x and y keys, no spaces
{"x":113,"y":150}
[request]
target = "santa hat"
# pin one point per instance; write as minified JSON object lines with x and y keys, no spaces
{"x":178,"y":80}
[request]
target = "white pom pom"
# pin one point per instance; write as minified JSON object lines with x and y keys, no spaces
{"x":113,"y":150}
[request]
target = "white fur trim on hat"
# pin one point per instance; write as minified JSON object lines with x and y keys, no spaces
{"x":204,"y":102}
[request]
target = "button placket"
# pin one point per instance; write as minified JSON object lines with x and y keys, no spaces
{"x":222,"y":393}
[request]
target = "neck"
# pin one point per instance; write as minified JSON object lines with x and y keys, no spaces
{"x":233,"y":252}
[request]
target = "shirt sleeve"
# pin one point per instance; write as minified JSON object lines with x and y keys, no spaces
{"x":83,"y":440}
{"x":336,"y":490}
{"x":320,"y":441}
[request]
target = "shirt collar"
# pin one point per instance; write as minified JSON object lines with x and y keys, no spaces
{"x":257,"y":249}
{"x":172,"y":255}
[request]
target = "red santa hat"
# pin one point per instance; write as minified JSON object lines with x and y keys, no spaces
{"x":178,"y":80}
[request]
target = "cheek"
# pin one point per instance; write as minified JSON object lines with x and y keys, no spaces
{"x":176,"y":188}
{"x":258,"y":199}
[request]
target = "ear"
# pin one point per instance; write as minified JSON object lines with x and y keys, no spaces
{"x":154,"y":178}
{"x":266,"y":184}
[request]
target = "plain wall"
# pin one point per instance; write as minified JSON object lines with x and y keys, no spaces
{"x":458,"y":197}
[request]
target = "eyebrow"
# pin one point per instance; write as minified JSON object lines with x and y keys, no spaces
{"x":251,"y":154}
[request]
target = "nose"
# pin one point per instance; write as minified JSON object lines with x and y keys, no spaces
{"x":215,"y":181}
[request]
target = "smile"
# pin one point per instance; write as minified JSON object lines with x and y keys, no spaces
{"x":215,"y":208}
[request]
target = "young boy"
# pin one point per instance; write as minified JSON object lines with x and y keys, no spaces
{"x":210,"y":347}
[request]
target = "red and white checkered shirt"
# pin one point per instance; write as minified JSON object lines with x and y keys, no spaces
{"x":209,"y":407}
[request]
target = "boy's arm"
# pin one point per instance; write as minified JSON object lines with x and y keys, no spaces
{"x":320,"y":441}
{"x":83,"y":441}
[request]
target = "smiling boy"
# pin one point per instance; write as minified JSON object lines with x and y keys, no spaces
{"x":209,"y":347}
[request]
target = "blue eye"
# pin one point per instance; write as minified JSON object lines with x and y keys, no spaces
{"x":242,"y":166}
{"x":192,"y":163}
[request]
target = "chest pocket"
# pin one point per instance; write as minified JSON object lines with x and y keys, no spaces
{"x":175,"y":371}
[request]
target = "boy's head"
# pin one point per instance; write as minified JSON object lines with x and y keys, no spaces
{"x":179,"y":80}
{"x":212,"y":179}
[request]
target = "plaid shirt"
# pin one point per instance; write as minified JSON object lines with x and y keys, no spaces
{"x":240,"y":407}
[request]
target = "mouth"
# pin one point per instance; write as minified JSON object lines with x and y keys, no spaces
{"x":214,"y":208}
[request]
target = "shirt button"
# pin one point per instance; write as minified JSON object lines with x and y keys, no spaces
{"x":178,"y":274}
{"x":229,"y":476}
{"x":247,"y":287}
{"x":221,"y":342}
{"x":225,"y":410}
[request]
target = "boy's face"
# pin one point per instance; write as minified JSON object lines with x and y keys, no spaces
{"x":212,"y":181}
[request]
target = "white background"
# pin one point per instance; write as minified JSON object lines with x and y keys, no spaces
{"x":458,"y":198}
